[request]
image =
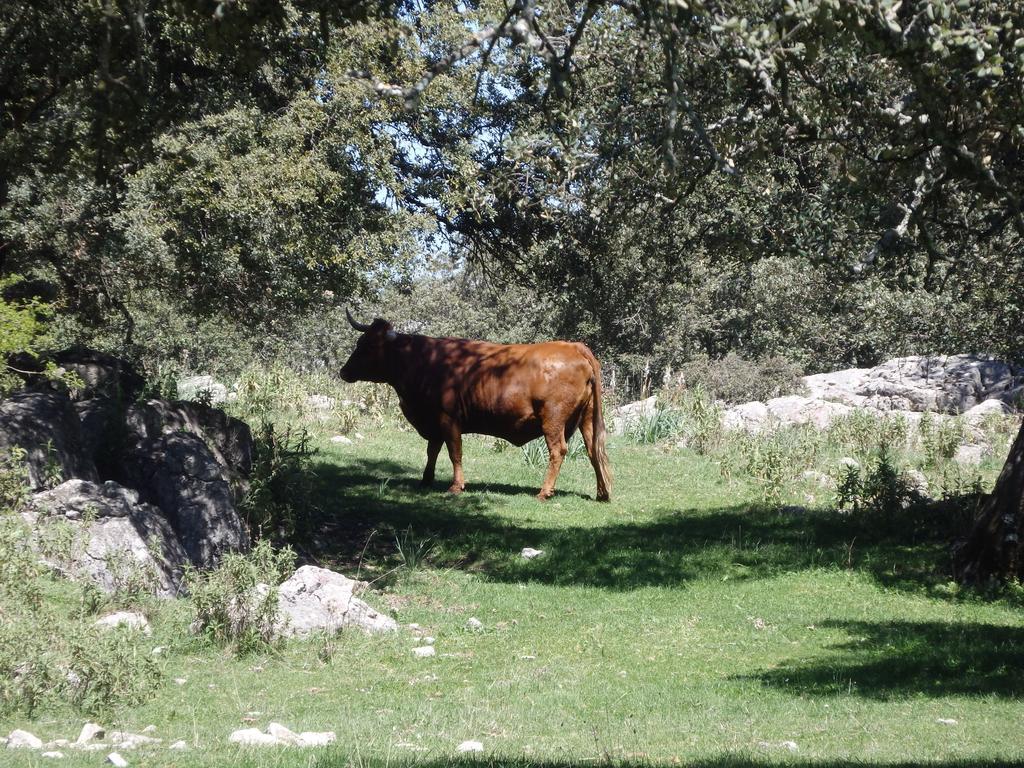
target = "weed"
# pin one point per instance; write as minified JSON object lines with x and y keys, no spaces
{"x":235,"y":604}
{"x":279,"y":500}
{"x":940,"y":437}
{"x":14,"y":487}
{"x":412,"y":550}
{"x":880,"y":490}
{"x":655,"y":426}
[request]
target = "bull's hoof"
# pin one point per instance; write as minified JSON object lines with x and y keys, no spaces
{"x":545,"y":495}
{"x":455,"y":490}
{"x":603,"y":497}
{"x":426,"y":482}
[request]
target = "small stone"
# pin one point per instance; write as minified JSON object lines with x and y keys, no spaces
{"x":54,"y":755}
{"x":180,"y":680}
{"x":160,"y":650}
{"x":759,"y":623}
{"x":428,"y":640}
{"x":790,"y":745}
{"x":529,"y":553}
{"x":341,"y":440}
{"x":969,"y":455}
{"x":413,"y":626}
{"x":131,"y":619}
{"x":474,"y":623}
{"x":19,"y":739}
{"x":424,"y":651}
{"x":149,"y":729}
{"x":89,"y":732}
{"x":252,"y":737}
{"x":317,"y":738}
{"x":282,"y":734}
{"x":470,"y":746}
{"x":945,"y":721}
{"x":179,"y":744}
{"x":116,"y":760}
{"x":358,"y":436}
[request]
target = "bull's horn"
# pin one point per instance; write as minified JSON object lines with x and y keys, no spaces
{"x":352,"y":321}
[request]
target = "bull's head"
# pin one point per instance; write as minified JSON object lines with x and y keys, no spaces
{"x":369,"y":360}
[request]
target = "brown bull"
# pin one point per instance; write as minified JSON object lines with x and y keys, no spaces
{"x":518,"y":392}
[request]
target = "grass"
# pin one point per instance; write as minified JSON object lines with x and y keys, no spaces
{"x":686,"y":622}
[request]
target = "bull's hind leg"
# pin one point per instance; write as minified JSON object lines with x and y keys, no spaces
{"x":453,"y":440}
{"x":554,"y":436}
{"x":593,"y":451}
{"x":433,"y":449}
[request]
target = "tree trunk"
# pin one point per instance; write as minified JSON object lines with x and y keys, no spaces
{"x":995,"y":547}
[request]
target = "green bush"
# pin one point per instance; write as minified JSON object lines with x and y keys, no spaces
{"x":655,"y":426}
{"x":280,"y":496}
{"x":734,"y":379}
{"x":235,"y":604}
{"x":879,"y":490}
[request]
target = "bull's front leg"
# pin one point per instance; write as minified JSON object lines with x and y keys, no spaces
{"x":433,"y":449}
{"x":453,"y":440}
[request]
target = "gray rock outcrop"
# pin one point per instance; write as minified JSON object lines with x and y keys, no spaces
{"x":109,"y":537}
{"x":179,"y":474}
{"x":46,"y":427}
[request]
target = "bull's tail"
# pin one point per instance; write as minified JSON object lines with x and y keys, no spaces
{"x":598,"y":450}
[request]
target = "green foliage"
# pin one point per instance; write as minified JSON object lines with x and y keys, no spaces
{"x":413,"y":551}
{"x":23,"y":329}
{"x":655,"y":426}
{"x":279,"y":502}
{"x":235,"y":604}
{"x":14,"y":487}
{"x":878,"y":490}
{"x":940,"y":437}
{"x":734,"y":379}
{"x":701,"y":418}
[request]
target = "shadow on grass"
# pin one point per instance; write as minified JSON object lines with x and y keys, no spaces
{"x":339,"y":758}
{"x":361,"y":515}
{"x":896,"y":659}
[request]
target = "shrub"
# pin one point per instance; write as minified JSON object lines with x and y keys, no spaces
{"x":940,"y":437}
{"x":879,"y":490}
{"x":235,"y":604}
{"x":14,"y":488}
{"x":280,"y":495}
{"x":734,"y":379}
{"x":655,"y":426}
{"x":701,"y":419}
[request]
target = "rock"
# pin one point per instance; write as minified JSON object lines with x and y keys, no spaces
{"x":317,"y":738}
{"x":751,"y":417}
{"x":130,"y":619}
{"x":53,"y":755}
{"x":528,"y":553}
{"x":200,"y":388}
{"x":819,"y":478}
{"x":945,"y":721}
{"x":320,"y":402}
{"x":916,"y":481}
{"x":18,"y":739}
{"x":283,"y":734}
{"x":424,"y":652}
{"x":969,"y":455}
{"x":624,"y":414}
{"x":985,"y":409}
{"x":101,"y":428}
{"x":470,"y":746}
{"x":126,"y":740}
{"x":790,"y":745}
{"x":252,"y":737}
{"x":102,"y":374}
{"x":149,"y":729}
{"x":89,"y":732}
{"x":316,"y":599}
{"x":115,"y":538}
{"x":341,"y":440}
{"x":474,"y":623}
{"x":229,"y":439}
{"x":116,"y":760}
{"x":179,"y":744}
{"x":46,"y":427}
{"x":179,"y":474}
{"x":428,"y":640}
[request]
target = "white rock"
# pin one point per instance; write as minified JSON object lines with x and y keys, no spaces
{"x":316,"y":599}
{"x":160,"y":650}
{"x":945,"y":721}
{"x":359,"y":436}
{"x":192,"y":387}
{"x":126,"y":740}
{"x":131,"y":619}
{"x":790,"y":745}
{"x":429,"y":640}
{"x":18,"y":739}
{"x":116,"y":760}
{"x":424,"y":651}
{"x":986,"y":408}
{"x":341,"y":440}
{"x":321,"y":402}
{"x":180,"y":680}
{"x":179,"y":744}
{"x":89,"y":732}
{"x":529,"y":553}
{"x":282,"y":734}
{"x":252,"y":737}
{"x":149,"y":729}
{"x":470,"y":746}
{"x":969,"y":455}
{"x":317,"y":738}
{"x":474,"y":623}
{"x":53,"y":755}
